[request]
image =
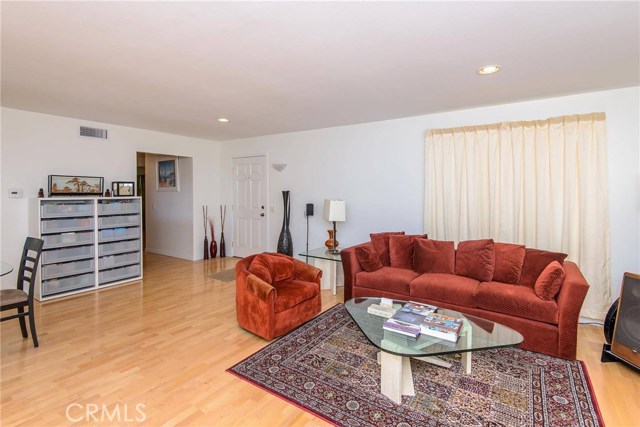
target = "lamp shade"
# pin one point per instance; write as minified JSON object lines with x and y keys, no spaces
{"x":334,"y":210}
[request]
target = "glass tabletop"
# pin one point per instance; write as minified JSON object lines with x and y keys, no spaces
{"x":5,"y":268}
{"x":321,"y":253}
{"x":476,"y":334}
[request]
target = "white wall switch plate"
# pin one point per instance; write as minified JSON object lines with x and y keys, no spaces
{"x":15,"y":193}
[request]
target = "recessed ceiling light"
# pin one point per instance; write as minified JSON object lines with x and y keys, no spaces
{"x":223,"y":120}
{"x":489,"y":69}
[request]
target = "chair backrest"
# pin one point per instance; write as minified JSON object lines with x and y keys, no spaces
{"x":29,"y":263}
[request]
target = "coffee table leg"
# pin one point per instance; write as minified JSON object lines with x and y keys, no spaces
{"x":466,"y":361}
{"x":395,"y":376}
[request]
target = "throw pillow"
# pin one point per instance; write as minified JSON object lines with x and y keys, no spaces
{"x":368,"y":258}
{"x":476,"y":259}
{"x":434,"y":256}
{"x":401,"y":250}
{"x":380,"y":243}
{"x":509,"y":260}
{"x":550,"y":281}
{"x":535,"y":260}
{"x":272,"y":268}
{"x":282,"y":268}
{"x":261,"y":267}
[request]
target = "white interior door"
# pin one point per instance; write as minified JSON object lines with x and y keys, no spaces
{"x":250,"y":200}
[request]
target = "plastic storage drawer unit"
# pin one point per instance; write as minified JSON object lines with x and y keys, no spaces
{"x":118,"y":221}
{"x":116,"y":274}
{"x":66,"y":209}
{"x":67,"y":239}
{"x":119,"y":207}
{"x":51,"y":271}
{"x":65,"y":225}
{"x":118,"y":260}
{"x":55,"y":286}
{"x":110,"y":234}
{"x":118,"y":247}
{"x":67,"y":254}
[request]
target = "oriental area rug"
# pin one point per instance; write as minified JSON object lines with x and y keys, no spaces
{"x":328,"y":367}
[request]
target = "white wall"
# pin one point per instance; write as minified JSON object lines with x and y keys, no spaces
{"x":378,"y":169}
{"x":35,"y":145}
{"x":169,"y":214}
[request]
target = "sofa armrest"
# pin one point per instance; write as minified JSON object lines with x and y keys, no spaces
{"x":259,"y":288}
{"x":306,"y":272}
{"x":570,"y":298}
{"x":351,"y":267}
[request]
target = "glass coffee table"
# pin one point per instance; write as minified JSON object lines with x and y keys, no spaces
{"x":396,"y":350}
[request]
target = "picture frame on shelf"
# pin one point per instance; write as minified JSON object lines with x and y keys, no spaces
{"x":73,"y":185}
{"x":123,"y":188}
{"x":167,"y":174}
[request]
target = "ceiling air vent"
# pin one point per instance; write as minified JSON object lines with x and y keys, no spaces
{"x":93,"y":132}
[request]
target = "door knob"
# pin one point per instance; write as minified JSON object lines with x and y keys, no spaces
{"x":262,"y":214}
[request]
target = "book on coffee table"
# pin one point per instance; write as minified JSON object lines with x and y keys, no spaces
{"x":400,"y":327}
{"x":419,"y":308}
{"x":441,"y":326}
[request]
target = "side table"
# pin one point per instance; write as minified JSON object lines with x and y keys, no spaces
{"x":327,"y":262}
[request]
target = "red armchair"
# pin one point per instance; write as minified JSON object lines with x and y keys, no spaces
{"x":275,"y":293}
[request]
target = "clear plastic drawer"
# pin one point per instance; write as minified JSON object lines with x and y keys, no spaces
{"x":119,"y":260}
{"x":51,"y":271}
{"x":108,"y":276}
{"x":68,"y":284}
{"x":111,"y":234}
{"x":66,"y":209}
{"x":119,"y":206}
{"x":66,"y":225}
{"x":118,"y":221}
{"x":118,"y":247}
{"x":67,"y":254}
{"x":67,"y":239}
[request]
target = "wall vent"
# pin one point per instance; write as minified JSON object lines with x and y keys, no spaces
{"x":93,"y":132}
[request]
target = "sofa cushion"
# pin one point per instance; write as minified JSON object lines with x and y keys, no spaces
{"x":389,"y":279}
{"x":535,"y":260}
{"x":549,"y":282}
{"x":517,"y":301}
{"x":446,"y":288}
{"x":292,"y":292}
{"x":476,"y":259}
{"x":434,"y":256}
{"x":380,"y":242}
{"x":368,"y":258}
{"x":509,"y":260}
{"x":401,"y":250}
{"x":272,"y":268}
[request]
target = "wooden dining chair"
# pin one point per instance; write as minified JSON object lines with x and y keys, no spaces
{"x":19,"y":298}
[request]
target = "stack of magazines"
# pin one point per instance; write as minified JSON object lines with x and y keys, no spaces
{"x":416,"y":318}
{"x":441,"y":326}
{"x":407,"y":320}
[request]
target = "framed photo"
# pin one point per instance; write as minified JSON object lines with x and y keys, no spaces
{"x":167,"y":174}
{"x":123,"y":188}
{"x":71,"y":185}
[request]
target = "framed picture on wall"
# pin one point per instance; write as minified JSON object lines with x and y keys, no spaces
{"x":123,"y":188}
{"x":167,"y":174}
{"x":71,"y":185}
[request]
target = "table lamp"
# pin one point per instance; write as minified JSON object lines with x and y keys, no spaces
{"x":334,"y":211}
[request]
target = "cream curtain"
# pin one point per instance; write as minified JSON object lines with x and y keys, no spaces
{"x":539,"y":183}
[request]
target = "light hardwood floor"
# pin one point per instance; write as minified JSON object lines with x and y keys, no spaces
{"x":166,"y":342}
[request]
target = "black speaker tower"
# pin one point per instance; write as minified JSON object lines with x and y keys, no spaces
{"x":622,"y":325}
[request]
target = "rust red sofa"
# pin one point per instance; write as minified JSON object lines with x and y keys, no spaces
{"x":275,"y":293}
{"x":532,"y":291}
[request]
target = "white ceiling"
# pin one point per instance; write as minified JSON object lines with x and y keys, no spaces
{"x":274,"y":67}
